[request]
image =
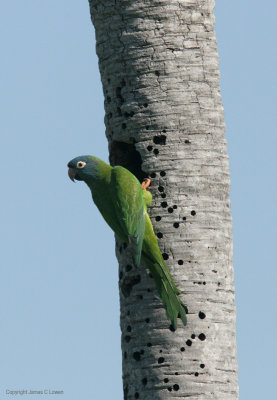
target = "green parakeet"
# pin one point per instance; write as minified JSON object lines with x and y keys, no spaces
{"x":123,"y":203}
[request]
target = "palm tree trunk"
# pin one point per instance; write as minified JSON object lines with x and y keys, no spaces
{"x":164,"y":119}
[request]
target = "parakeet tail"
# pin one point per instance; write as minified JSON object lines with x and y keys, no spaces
{"x":167,"y":290}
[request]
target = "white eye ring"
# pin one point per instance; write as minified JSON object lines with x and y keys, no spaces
{"x":81,"y":164}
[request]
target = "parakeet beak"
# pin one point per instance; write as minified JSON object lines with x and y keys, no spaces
{"x":71,"y":173}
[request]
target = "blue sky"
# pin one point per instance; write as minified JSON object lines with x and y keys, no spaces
{"x":59,"y":305}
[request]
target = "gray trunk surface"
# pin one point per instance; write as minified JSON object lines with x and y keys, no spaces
{"x":164,"y":119}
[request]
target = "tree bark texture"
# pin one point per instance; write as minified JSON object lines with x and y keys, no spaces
{"x":164,"y":119}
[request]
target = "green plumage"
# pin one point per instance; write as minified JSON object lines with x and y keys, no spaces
{"x":123,"y":203}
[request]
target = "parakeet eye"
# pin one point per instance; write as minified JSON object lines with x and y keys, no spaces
{"x":81,"y":164}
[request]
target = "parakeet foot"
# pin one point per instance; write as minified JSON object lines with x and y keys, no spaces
{"x":146,"y":183}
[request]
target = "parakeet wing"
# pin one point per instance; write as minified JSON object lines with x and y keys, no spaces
{"x":129,"y":208}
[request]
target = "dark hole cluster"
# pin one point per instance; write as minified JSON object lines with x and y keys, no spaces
{"x":161,"y":140}
{"x":155,"y":151}
{"x":158,"y":140}
{"x":175,"y":387}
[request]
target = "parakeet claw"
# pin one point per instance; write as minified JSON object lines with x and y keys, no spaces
{"x":71,"y":174}
{"x":146,"y":183}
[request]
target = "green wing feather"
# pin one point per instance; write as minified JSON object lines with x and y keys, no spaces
{"x":129,"y":208}
{"x":119,"y":198}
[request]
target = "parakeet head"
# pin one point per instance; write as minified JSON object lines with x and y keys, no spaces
{"x":83,"y":168}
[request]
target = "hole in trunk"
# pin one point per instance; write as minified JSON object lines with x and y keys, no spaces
{"x":126,"y":155}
